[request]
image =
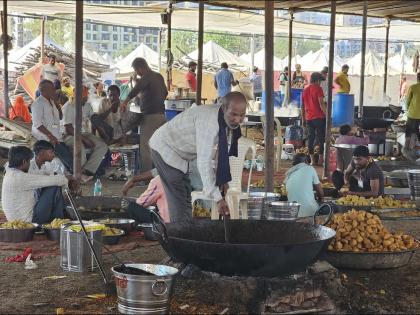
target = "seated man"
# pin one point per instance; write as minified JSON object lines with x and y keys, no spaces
{"x":111,"y":123}
{"x":347,"y":137}
{"x":46,"y":116}
{"x":96,"y":145}
{"x":18,"y":190}
{"x":364,"y":176}
{"x":301,"y":180}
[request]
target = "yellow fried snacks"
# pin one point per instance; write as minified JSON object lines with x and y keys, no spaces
{"x":361,"y":231}
{"x":16,"y":224}
{"x":56,"y":223}
{"x":380,"y":202}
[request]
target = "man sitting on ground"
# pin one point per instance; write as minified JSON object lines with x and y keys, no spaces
{"x":96,"y":145}
{"x":18,"y":191}
{"x":111,"y":123}
{"x":363,"y":175}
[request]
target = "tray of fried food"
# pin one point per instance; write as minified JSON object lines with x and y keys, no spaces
{"x":363,"y":242}
{"x":397,"y":214}
{"x":200,"y":212}
{"x":17,"y":231}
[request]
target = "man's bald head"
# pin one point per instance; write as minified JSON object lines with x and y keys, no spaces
{"x":234,"y":108}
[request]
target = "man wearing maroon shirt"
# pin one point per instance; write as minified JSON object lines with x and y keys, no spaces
{"x":313,"y":115}
{"x":190,"y":77}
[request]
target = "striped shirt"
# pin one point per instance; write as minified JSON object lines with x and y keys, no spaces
{"x":191,"y":135}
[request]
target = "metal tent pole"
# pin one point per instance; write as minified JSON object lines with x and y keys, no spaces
{"x":386,"y":54}
{"x":5,"y":60}
{"x":200,"y":52}
{"x":330,"y":88}
{"x":289,"y":74}
{"x":362,"y":63}
{"x":269,"y":88}
{"x":169,"y":48}
{"x":77,"y":152}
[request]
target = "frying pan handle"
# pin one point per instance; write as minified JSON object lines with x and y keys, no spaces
{"x":330,"y":213}
{"x":159,"y":227}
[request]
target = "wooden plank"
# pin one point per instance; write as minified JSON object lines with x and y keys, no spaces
{"x":269,"y":89}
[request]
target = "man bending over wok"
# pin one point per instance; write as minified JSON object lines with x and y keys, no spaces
{"x":191,"y":135}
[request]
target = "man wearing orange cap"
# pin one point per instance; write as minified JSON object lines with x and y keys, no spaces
{"x":96,"y":145}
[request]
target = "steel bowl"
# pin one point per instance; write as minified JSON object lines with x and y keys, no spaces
{"x":369,"y":260}
{"x":17,"y":235}
{"x":52,"y":234}
{"x":112,"y":239}
{"x":127,"y":225}
{"x":148,"y":231}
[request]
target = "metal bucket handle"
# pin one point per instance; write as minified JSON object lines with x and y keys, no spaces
{"x":158,"y":227}
{"x":330,"y":213}
{"x":159,"y":287}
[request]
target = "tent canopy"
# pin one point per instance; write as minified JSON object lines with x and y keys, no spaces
{"x":233,"y":21}
{"x":143,"y":51}
{"x":259,"y":60}
{"x":215,"y":55}
{"x":319,"y":59}
{"x":374,"y":66}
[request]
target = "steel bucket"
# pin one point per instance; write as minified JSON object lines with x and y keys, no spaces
{"x":257,"y":203}
{"x":75,"y":252}
{"x":144,"y":294}
{"x":282,"y":210}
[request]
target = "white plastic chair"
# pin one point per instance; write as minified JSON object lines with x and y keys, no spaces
{"x":278,"y":140}
{"x":235,"y":185}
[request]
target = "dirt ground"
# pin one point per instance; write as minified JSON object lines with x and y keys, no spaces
{"x":27,"y":291}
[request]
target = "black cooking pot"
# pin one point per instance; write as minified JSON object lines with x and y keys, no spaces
{"x":372,"y":123}
{"x":255,"y":248}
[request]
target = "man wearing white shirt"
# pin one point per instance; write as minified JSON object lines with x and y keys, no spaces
{"x":46,"y":116}
{"x":96,"y":145}
{"x":30,"y":197}
{"x":191,"y":135}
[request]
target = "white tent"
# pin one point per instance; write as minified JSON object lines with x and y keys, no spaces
{"x":215,"y":55}
{"x":20,"y":55}
{"x":94,"y":56}
{"x":108,"y":59}
{"x":259,"y":60}
{"x":151,"y":56}
{"x":373,"y":65}
{"x":319,"y":59}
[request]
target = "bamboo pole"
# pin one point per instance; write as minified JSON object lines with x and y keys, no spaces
{"x":289,"y":74}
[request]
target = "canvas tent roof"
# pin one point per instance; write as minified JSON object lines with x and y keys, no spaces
{"x":108,"y":59}
{"x":215,"y":55}
{"x":151,"y":56}
{"x":215,"y":20}
{"x":319,"y":59}
{"x":94,"y":56}
{"x":259,"y":60}
{"x":374,"y":66}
